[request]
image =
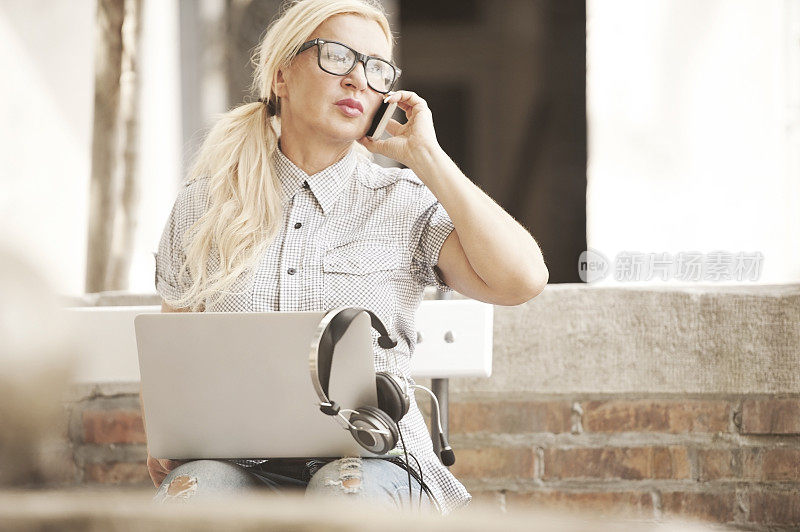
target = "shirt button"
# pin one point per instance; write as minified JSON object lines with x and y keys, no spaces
{"x":305,"y":184}
{"x":291,"y":271}
{"x":298,"y":225}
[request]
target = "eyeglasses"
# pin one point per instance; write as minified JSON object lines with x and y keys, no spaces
{"x":339,"y":59}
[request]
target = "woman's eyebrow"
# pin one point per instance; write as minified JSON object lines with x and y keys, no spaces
{"x":379,"y":56}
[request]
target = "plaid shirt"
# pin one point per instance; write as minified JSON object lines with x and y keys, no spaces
{"x":353,"y":234}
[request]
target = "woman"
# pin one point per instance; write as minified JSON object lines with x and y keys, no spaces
{"x":285,"y":210}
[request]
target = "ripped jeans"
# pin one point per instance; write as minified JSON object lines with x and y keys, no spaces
{"x":379,"y":480}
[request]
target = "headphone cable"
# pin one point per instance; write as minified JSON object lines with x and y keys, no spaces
{"x":409,"y":470}
{"x":408,"y":466}
{"x":421,"y":483}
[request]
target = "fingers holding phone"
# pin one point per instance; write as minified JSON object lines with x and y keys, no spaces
{"x":410,"y":140}
{"x":381,"y":119}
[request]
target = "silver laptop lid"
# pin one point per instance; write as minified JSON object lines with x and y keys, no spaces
{"x":237,"y":385}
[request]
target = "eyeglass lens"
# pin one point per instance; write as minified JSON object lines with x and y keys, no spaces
{"x":338,"y":59}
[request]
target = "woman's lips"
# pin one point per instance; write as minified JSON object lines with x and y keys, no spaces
{"x":349,"y":111}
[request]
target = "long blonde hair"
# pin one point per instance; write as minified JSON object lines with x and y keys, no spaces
{"x":244,"y":195}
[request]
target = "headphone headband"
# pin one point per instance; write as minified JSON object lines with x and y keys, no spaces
{"x":331,"y":328}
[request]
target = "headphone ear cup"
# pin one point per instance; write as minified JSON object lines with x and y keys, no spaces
{"x":391,"y":398}
{"x":373,"y":417}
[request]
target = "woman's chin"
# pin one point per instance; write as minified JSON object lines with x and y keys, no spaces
{"x":347,"y":132}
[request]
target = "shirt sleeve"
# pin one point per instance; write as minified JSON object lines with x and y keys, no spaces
{"x":431,"y":228}
{"x":170,"y":255}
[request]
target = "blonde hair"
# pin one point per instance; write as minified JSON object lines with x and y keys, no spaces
{"x":244,"y":203}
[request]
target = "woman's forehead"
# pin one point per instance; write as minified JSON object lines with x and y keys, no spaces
{"x":361,"y":34}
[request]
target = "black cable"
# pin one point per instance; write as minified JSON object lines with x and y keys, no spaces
{"x":408,"y":470}
{"x":425,"y":487}
{"x":417,"y":476}
{"x":421,"y":482}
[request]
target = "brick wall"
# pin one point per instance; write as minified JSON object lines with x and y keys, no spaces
{"x":107,"y":439}
{"x":727,"y":459}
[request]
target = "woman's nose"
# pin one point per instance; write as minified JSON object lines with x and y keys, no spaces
{"x":358,"y":76}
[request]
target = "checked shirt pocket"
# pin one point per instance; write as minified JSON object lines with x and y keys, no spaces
{"x":363,"y":258}
{"x":363,"y":273}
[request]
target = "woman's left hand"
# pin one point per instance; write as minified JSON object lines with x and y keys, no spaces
{"x":411,"y":140}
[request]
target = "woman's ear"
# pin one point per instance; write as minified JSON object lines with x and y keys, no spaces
{"x":279,"y":83}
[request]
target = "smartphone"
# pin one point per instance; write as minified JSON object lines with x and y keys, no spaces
{"x":381,"y":118}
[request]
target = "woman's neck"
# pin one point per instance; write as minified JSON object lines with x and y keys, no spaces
{"x":312,"y":159}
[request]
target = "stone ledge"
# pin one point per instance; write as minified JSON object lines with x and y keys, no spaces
{"x":86,"y":509}
{"x":578,"y":338}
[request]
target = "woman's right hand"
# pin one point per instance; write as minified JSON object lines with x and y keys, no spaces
{"x":159,"y":468}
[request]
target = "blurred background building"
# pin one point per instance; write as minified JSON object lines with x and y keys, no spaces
{"x":688,"y":113}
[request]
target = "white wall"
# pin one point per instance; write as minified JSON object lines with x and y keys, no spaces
{"x":692,"y":123}
{"x":46,"y":108}
{"x":160,"y":135}
{"x":46,"y":112}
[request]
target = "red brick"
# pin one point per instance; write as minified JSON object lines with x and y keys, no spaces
{"x":634,"y":463}
{"x":776,"y":508}
{"x":510,"y":416}
{"x":771,"y":416}
{"x":671,"y":462}
{"x":751,"y":458}
{"x":777,"y":464}
{"x":647,"y":415}
{"x":495,"y":462}
{"x":603,"y":503}
{"x":717,"y":507}
{"x":113,"y":426}
{"x":714,"y":464}
{"x":128,"y":473}
{"x":743,"y":463}
{"x":781,"y":464}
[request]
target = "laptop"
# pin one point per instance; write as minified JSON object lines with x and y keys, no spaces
{"x":237,"y":384}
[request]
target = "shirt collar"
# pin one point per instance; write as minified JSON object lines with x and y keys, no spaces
{"x":326,"y":185}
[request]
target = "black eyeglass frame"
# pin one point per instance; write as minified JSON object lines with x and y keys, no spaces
{"x":362,"y":58}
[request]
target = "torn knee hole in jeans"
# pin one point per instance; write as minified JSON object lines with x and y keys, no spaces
{"x":181,"y":487}
{"x":349,"y":475}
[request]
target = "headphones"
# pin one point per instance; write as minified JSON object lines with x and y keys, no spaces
{"x":374,"y":428}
